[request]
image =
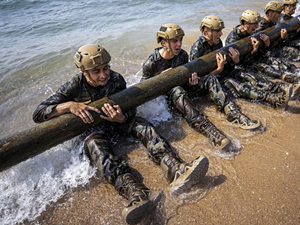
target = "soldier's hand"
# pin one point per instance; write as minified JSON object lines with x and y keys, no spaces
{"x":194,"y":79}
{"x":283,"y":33}
{"x":234,"y":54}
{"x":221,"y":61}
{"x":113,"y":113}
{"x":81,"y":109}
{"x":265,"y":38}
{"x":255,"y":45}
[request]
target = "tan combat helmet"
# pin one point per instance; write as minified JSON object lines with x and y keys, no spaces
{"x":274,"y":5}
{"x":90,"y":56}
{"x":169,"y":31}
{"x":289,"y":2}
{"x":250,"y":16}
{"x":212,"y":22}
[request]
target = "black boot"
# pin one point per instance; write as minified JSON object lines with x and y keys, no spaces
{"x":217,"y":137}
{"x":235,"y":116}
{"x":182,"y":176}
{"x":141,"y":199}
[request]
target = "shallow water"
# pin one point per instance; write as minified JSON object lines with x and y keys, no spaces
{"x":38,"y":40}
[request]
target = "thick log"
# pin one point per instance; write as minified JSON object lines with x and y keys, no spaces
{"x":36,"y":140}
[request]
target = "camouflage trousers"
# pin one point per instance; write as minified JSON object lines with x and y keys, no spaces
{"x":250,"y":85}
{"x":277,"y":68}
{"x":97,"y":147}
{"x":290,"y":52}
{"x":180,"y":99}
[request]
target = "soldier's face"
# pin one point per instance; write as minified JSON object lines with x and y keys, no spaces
{"x":290,"y":9}
{"x":175,"y":45}
{"x":251,"y":27}
{"x":275,"y":17}
{"x":216,"y":36}
{"x":99,"y":75}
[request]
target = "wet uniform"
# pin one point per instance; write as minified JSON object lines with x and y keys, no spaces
{"x":294,"y":38}
{"x":155,"y":64}
{"x":254,"y":84}
{"x":278,"y":55}
{"x":179,"y":97}
{"x":97,"y":145}
{"x":202,"y":47}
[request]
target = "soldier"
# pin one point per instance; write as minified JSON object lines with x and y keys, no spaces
{"x":289,"y":7}
{"x":211,"y":28}
{"x":167,"y":57}
{"x":96,"y":80}
{"x":249,"y":82}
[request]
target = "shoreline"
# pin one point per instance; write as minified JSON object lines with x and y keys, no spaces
{"x":260,"y":185}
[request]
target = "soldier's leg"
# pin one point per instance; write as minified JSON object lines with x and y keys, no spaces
{"x":291,"y":53}
{"x":117,"y":172}
{"x":216,"y":93}
{"x":179,"y":174}
{"x":295,"y":43}
{"x":197,"y":120}
{"x":246,"y":91}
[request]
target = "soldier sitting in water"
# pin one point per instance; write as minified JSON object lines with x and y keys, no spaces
{"x":95,"y":81}
{"x":273,"y":63}
{"x":171,"y":55}
{"x":248,"y":81}
{"x":289,"y":7}
{"x":211,"y":28}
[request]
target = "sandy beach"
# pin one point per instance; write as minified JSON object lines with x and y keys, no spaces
{"x":259,"y":185}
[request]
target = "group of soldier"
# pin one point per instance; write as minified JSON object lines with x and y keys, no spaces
{"x":251,"y":77}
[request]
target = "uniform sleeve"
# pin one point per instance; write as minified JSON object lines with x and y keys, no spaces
{"x":63,"y":94}
{"x":148,"y":69}
{"x":196,"y":51}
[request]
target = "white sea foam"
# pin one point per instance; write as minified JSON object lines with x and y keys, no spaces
{"x":27,"y":188}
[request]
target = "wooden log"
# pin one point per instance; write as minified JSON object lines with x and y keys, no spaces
{"x":36,"y":140}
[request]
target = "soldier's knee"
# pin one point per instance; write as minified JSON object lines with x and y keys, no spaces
{"x":92,"y":136}
{"x":141,"y":121}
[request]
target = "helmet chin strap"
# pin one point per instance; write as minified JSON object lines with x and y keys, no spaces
{"x":168,"y":49}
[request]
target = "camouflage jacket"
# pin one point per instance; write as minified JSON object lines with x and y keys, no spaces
{"x":78,"y":90}
{"x":235,"y":35}
{"x":264,"y":24}
{"x":285,"y":17}
{"x":155,"y":64}
{"x":293,"y":35}
{"x":201,"y":47}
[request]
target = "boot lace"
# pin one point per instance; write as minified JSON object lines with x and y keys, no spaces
{"x":131,"y":190}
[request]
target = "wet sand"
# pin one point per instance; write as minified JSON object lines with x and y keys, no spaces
{"x":259,"y":185}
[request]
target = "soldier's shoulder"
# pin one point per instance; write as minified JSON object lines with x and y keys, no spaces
{"x":115,"y":75}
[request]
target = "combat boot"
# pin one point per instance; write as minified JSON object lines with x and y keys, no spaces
{"x":182,"y":176}
{"x":290,"y":78}
{"x":217,"y":137}
{"x":277,"y":100}
{"x":141,"y":199}
{"x":235,"y":116}
{"x":295,"y":90}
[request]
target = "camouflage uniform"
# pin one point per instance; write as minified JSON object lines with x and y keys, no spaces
{"x":201,"y":47}
{"x":179,"y":98}
{"x":294,"y":38}
{"x":281,"y":49}
{"x":97,"y":145}
{"x":250,"y":72}
{"x":216,"y":93}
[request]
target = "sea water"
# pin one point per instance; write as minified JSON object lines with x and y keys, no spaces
{"x":38,"y":40}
